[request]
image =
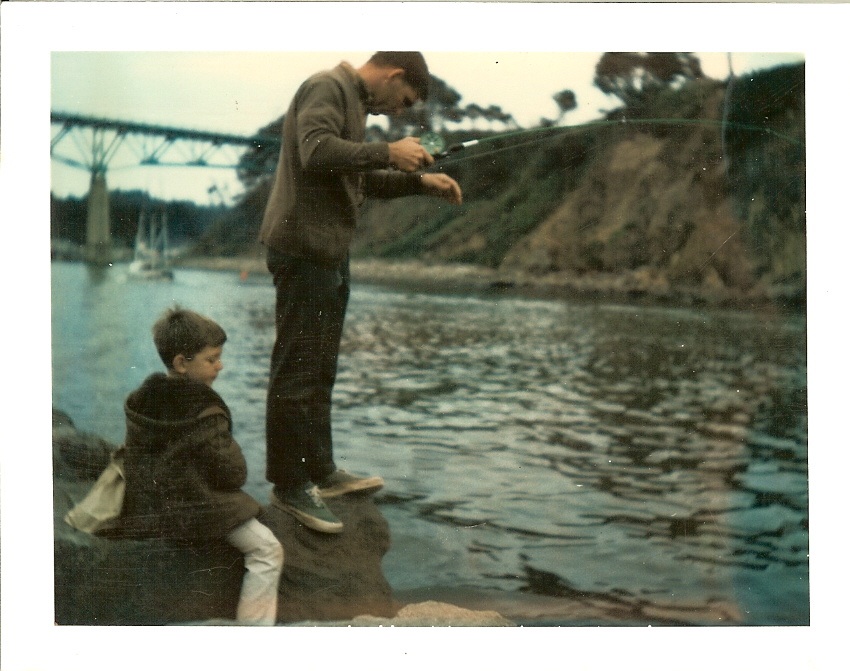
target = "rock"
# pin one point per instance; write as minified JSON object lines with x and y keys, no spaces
{"x":437,"y":614}
{"x":76,"y":454}
{"x":102,"y":582}
{"x":333,"y":577}
{"x":146,"y":582}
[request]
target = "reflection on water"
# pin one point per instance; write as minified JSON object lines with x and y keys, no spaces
{"x":646,"y":459}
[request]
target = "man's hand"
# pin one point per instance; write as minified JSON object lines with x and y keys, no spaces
{"x":408,"y":155}
{"x":442,"y":186}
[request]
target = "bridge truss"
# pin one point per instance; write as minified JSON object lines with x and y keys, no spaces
{"x":96,"y":144}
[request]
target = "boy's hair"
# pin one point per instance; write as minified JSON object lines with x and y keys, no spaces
{"x":412,"y":62}
{"x":180,"y":331}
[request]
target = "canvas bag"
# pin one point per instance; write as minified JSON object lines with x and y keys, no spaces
{"x":101,"y":507}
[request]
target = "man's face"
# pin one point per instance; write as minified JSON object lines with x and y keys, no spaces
{"x":393,"y":96}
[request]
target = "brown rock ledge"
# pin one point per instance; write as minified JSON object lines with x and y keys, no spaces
{"x":327,"y":580}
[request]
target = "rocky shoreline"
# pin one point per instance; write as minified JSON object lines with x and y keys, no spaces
{"x":642,"y":286}
{"x":327,"y":581}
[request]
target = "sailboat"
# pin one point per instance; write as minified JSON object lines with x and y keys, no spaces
{"x":150,"y":258}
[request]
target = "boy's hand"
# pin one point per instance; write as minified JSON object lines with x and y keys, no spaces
{"x":442,"y":186}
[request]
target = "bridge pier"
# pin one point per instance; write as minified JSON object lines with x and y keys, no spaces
{"x":94,"y":142}
{"x":98,"y":236}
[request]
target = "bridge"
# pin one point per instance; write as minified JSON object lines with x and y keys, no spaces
{"x":93,"y":144}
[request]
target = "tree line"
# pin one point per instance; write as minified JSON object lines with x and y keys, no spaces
{"x":632,"y":78}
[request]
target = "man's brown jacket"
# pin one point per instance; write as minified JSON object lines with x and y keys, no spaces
{"x":326,"y":170}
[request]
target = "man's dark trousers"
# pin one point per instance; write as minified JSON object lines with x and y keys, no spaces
{"x":310,"y":311}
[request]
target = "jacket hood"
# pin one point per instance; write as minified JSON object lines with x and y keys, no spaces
{"x":164,"y":405}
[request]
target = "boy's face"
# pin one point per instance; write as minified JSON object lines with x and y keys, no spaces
{"x":204,"y":367}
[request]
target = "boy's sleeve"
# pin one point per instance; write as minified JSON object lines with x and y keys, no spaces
{"x":220,"y":459}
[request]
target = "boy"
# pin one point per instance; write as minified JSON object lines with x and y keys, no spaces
{"x":184,"y":471}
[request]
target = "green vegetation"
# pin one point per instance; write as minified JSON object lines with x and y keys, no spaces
{"x":186,"y":220}
{"x":689,"y":185}
{"x":693,"y":182}
{"x":767,"y":170}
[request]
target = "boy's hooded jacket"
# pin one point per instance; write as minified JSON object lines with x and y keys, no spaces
{"x":183,"y":469}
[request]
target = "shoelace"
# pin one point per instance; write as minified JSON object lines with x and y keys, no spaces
{"x":313,"y":493}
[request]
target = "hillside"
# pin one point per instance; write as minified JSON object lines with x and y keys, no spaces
{"x":671,"y":199}
{"x":696,"y":194}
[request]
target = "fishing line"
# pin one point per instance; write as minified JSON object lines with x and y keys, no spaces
{"x":715,"y":252}
{"x":451,"y":156}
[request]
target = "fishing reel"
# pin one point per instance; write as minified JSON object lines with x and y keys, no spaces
{"x":435,"y":145}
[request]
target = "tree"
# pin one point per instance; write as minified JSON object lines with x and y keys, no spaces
{"x":440,"y":108}
{"x":474,"y":112}
{"x":566,"y":101}
{"x":635,"y":76}
{"x":260,"y":161}
{"x":494,"y":114}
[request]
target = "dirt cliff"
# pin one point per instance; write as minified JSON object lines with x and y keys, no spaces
{"x":699,"y":193}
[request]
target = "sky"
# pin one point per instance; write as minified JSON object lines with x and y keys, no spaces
{"x":240,"y":92}
{"x":31,"y":32}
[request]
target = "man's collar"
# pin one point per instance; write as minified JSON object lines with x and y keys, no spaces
{"x":365,"y":95}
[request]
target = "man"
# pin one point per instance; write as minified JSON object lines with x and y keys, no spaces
{"x":324,"y":173}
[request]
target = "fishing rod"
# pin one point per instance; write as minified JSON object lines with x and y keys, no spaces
{"x":435,"y":144}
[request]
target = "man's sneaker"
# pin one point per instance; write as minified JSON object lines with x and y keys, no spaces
{"x":342,"y":482}
{"x":308,"y":508}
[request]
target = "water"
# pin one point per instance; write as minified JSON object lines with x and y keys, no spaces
{"x":646,"y":460}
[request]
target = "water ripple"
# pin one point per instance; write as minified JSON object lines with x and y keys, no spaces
{"x":650,"y":461}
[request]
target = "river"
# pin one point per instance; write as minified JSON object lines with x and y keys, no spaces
{"x":646,"y":460}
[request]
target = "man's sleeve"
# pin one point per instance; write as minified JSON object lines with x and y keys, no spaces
{"x":319,"y":130}
{"x":392,"y":184}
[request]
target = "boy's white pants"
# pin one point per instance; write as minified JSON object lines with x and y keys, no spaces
{"x":263,"y":566}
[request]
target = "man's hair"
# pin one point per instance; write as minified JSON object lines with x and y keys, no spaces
{"x":412,"y":62}
{"x":180,"y":331}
